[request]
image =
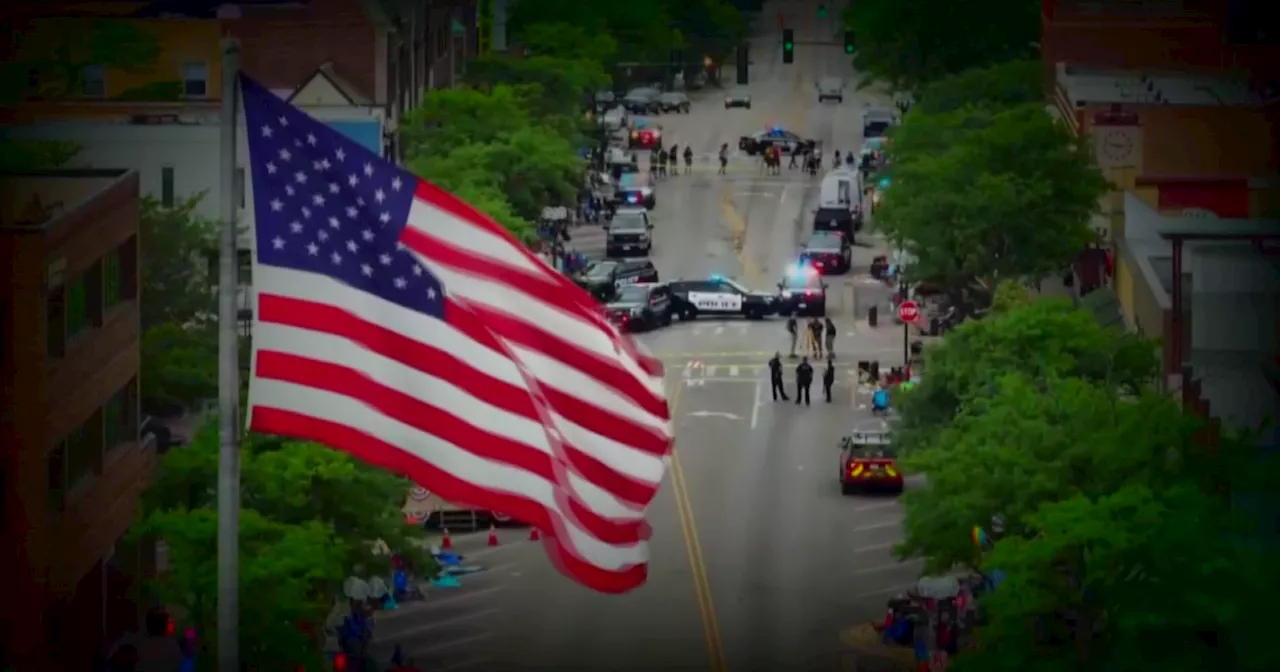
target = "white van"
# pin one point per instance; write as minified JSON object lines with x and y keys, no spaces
{"x":840,"y":188}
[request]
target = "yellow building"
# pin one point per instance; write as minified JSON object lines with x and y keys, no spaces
{"x":73,"y":64}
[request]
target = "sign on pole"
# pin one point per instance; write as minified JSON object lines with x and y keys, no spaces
{"x":908,"y":311}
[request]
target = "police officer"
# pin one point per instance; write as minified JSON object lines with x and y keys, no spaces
{"x":804,"y":378}
{"x":724,"y":157}
{"x":829,"y":377}
{"x":796,"y":153}
{"x":688,"y":159}
{"x":815,"y":328}
{"x":794,"y":331}
{"x":830,"y":338}
{"x":775,"y":377}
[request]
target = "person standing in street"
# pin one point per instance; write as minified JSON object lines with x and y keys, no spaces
{"x":830,"y":335}
{"x":829,"y":377}
{"x":804,"y":378}
{"x":794,"y":330}
{"x":775,"y":377}
{"x":815,"y":328}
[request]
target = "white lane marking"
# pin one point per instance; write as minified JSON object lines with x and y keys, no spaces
{"x":733,"y":371}
{"x":714,"y":414}
{"x":453,"y":643}
{"x":877,"y":526}
{"x":402,"y":633}
{"x":431,"y":604}
{"x":783,"y":198}
{"x":711,"y":371}
{"x":886,"y":568}
{"x":874,"y":507}
{"x":719,"y":330}
{"x":755,"y":407}
{"x":877,"y":547}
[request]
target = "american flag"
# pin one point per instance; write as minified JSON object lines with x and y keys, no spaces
{"x":397,"y":323}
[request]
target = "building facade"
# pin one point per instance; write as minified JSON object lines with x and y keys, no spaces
{"x":74,"y":466}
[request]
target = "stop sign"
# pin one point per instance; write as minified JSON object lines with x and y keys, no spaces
{"x":908,"y":311}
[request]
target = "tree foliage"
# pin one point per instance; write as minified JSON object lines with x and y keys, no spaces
{"x":1045,"y":338}
{"x":179,"y":366}
{"x":1115,"y":554}
{"x":569,"y":41}
{"x":18,"y":156}
{"x":287,"y":572}
{"x":907,"y":45}
{"x":1001,"y":85}
{"x":982,"y":193}
{"x":562,"y":85}
{"x":310,"y":518}
{"x":175,"y":280}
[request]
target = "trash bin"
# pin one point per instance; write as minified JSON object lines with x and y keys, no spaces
{"x":873,"y":315}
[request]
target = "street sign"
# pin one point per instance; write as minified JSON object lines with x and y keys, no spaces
{"x":908,"y":311}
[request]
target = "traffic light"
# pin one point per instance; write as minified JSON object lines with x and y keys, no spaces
{"x":822,"y":11}
{"x":848,"y":41}
{"x":788,"y":46}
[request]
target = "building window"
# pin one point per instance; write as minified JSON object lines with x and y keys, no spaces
{"x":93,"y":81}
{"x":83,"y":451}
{"x":57,"y":477}
{"x":240,"y":186}
{"x":120,"y":416}
{"x":56,"y":323}
{"x":195,"y":80}
{"x":77,"y":309}
{"x":166,"y":186}
{"x":112,"y":280}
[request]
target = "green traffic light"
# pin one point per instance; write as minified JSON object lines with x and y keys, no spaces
{"x":848,"y":48}
{"x":822,"y":11}
{"x":787,"y":46}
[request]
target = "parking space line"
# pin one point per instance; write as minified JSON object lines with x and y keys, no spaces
{"x":880,"y":505}
{"x":889,"y":590}
{"x":886,"y":568}
{"x":452,"y":644}
{"x":877,"y":547}
{"x":877,"y":526}
{"x":401,"y":633}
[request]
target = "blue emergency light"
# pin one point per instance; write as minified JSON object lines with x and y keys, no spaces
{"x":801,"y":270}
{"x":884,"y":183}
{"x":632,"y":198}
{"x":716,"y":277}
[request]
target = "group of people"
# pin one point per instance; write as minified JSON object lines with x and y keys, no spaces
{"x":660,"y":158}
{"x":804,"y":379}
{"x":819,"y":334}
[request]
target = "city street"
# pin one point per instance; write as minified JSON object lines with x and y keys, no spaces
{"x":758,"y":561}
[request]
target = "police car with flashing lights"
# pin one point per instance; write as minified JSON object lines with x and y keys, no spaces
{"x":643,"y":305}
{"x":785,"y":140}
{"x":634,"y":191}
{"x":802,"y":292}
{"x":719,"y":296}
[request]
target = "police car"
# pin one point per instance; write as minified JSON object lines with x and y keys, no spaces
{"x":718,"y":295}
{"x":644,"y":305}
{"x":803,"y":292}
{"x":787,"y":141}
{"x":634,"y":191}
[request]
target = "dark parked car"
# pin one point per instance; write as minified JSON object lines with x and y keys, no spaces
{"x":643,"y":305}
{"x":642,"y":101}
{"x":604,"y":278}
{"x":674,"y":101}
{"x":876,"y":122}
{"x":828,"y":251}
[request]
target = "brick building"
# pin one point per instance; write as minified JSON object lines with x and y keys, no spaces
{"x":74,"y":466}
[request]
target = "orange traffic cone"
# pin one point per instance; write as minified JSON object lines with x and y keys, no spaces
{"x":533,"y":534}
{"x":493,"y":535}
{"x":447,"y":542}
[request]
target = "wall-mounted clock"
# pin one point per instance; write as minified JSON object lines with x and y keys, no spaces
{"x":1116,"y":145}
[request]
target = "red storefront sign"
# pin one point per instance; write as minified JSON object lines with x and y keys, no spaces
{"x":1228,"y":199}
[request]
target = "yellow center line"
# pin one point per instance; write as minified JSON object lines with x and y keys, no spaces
{"x":697,"y":563}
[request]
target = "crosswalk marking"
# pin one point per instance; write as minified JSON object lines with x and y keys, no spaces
{"x":733,"y":370}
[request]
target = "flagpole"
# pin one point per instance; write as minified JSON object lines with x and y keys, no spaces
{"x":228,"y":377}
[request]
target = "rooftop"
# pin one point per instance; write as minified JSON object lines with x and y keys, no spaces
{"x":1085,"y":86}
{"x":32,"y":201}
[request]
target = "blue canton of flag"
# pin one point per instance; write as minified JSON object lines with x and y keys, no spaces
{"x":324,"y":204}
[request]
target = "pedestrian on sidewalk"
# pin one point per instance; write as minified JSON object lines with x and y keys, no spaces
{"x":829,"y":377}
{"x":792,"y":329}
{"x":804,"y":378}
{"x":830,"y":335}
{"x":775,"y":377}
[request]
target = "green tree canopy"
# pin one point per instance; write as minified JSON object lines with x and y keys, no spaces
{"x":451,"y":118}
{"x":179,"y":366}
{"x":568,"y":41}
{"x":1001,"y":85}
{"x":17,"y":156}
{"x":175,"y":243}
{"x":548,"y":86}
{"x":645,"y":30}
{"x":980,"y":194}
{"x":1043,"y":338}
{"x":287,"y":576}
{"x":1105,"y":527}
{"x":907,"y":45}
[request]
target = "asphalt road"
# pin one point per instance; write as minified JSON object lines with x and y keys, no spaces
{"x":757,"y":560}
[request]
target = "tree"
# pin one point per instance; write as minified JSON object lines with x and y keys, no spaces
{"x":287,"y":576}
{"x":907,"y":45}
{"x":1114,"y":553}
{"x":451,"y":118}
{"x":643,"y":29}
{"x":17,"y":156}
{"x":549,"y":86}
{"x":179,"y":366}
{"x":989,"y":194}
{"x":295,"y":483}
{"x":175,"y":280}
{"x":1045,"y":338}
{"x":1001,"y":85}
{"x":568,"y":41}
